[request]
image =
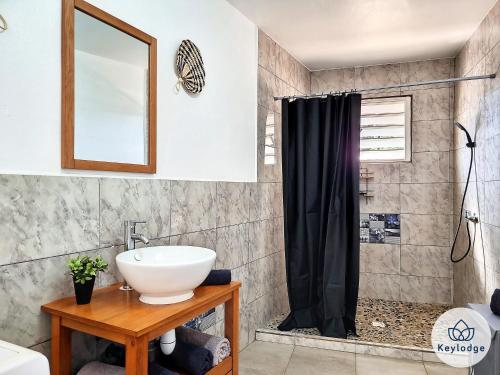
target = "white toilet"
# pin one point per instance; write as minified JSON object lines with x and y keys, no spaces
{"x":16,"y":360}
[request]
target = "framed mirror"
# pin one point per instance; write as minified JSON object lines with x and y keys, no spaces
{"x":108,"y":92}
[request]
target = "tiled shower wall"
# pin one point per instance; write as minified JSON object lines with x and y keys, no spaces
{"x":278,"y":74}
{"x":45,"y":220}
{"x":477,"y":107}
{"x":417,"y":270}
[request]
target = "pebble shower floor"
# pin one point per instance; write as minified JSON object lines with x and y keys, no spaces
{"x":397,"y":323}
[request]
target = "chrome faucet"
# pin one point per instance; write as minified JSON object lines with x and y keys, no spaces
{"x":130,"y":236}
{"x":129,"y":239}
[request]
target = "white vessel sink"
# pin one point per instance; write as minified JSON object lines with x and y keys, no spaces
{"x":16,"y":360}
{"x":165,"y":274}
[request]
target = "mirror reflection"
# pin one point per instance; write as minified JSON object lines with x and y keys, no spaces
{"x":111,"y":93}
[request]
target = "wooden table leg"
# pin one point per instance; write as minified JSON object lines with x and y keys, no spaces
{"x":232,"y":326}
{"x":61,"y":348}
{"x":136,"y":356}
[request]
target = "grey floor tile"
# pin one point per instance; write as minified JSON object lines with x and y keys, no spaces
{"x":265,"y":358}
{"x":253,"y":371}
{"x":315,"y":361}
{"x":442,"y":369}
{"x":373,"y":365}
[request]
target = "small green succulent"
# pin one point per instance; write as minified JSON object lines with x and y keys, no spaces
{"x":83,"y":268}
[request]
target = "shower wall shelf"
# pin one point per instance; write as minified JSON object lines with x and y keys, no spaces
{"x":365,"y":176}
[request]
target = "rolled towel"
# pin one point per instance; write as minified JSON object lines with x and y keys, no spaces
{"x":218,"y":277}
{"x":99,"y":368}
{"x":218,"y":346}
{"x":495,"y":302}
{"x":188,"y":358}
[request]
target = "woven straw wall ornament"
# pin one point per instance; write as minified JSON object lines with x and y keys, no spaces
{"x":190,"y":70}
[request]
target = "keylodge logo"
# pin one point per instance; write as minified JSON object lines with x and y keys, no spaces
{"x":461,"y":332}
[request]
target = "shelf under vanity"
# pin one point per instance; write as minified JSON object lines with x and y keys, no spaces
{"x":120,"y":317}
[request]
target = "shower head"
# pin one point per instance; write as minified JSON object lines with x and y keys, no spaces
{"x":470,"y":143}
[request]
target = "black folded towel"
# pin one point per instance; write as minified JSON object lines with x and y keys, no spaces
{"x":191,"y":359}
{"x":155,"y":369}
{"x":218,"y":277}
{"x":115,"y":355}
{"x":93,"y":368}
{"x":495,"y":302}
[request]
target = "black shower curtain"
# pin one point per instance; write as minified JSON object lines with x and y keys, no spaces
{"x":321,"y":208}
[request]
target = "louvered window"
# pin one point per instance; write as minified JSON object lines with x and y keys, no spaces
{"x":270,"y":140}
{"x":385,"y":129}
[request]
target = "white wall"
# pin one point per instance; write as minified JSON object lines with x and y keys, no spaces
{"x":208,"y":137}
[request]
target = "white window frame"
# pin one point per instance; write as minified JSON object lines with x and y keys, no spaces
{"x":407,"y":127}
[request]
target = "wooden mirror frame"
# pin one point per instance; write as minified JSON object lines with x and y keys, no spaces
{"x":68,"y":160}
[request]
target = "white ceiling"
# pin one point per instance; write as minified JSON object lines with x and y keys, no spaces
{"x":325,"y":34}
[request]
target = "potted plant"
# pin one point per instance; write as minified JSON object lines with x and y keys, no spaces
{"x":84,"y":270}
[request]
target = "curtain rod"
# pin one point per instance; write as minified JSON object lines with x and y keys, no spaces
{"x":436,"y":82}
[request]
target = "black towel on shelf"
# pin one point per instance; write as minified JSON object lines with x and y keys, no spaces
{"x":218,"y":277}
{"x":495,"y":302}
{"x":115,"y":355}
{"x":191,"y":359}
{"x":155,"y":369}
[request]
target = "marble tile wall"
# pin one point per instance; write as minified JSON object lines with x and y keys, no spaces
{"x":418,"y":269}
{"x":477,"y":107}
{"x":45,"y":220}
{"x":279,"y":74}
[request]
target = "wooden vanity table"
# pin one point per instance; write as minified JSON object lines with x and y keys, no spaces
{"x":120,"y":317}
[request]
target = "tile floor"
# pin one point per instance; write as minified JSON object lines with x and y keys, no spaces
{"x":264,"y":358}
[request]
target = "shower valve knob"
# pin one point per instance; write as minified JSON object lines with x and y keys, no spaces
{"x":471,"y":216}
